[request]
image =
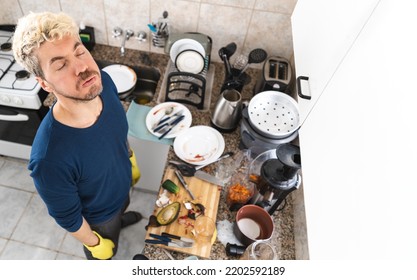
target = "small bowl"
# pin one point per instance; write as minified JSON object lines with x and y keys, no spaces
{"x":253,"y":223}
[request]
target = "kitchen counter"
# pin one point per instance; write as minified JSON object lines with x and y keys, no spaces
{"x":283,"y":238}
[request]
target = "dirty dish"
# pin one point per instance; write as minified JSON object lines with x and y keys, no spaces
{"x":123,"y":77}
{"x":157,"y":113}
{"x":199,"y":145}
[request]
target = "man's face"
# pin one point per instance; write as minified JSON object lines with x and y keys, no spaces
{"x":69,"y":70}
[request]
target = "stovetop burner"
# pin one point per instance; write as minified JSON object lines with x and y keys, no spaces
{"x":18,"y":88}
{"x":22,"y":75}
{"x":6,"y":47}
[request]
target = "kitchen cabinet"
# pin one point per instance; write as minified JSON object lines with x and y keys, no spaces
{"x":358,"y":145}
{"x":323,"y":32}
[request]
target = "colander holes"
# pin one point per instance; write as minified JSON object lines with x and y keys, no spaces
{"x":283,"y":114}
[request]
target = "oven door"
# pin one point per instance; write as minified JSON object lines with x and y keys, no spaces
{"x":18,"y":129}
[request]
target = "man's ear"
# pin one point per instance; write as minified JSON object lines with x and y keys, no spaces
{"x":44,"y":84}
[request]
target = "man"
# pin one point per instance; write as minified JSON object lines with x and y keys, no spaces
{"x":80,"y":156}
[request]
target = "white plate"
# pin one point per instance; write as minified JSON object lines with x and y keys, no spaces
{"x":185,"y":44}
{"x":190,"y":61}
{"x":158,"y":112}
{"x":123,"y":76}
{"x":199,"y":145}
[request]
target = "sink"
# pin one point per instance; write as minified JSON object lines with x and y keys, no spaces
{"x":146,"y":83}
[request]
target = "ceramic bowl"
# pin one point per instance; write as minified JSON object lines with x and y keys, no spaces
{"x":253,"y":223}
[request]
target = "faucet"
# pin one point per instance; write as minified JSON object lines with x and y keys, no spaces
{"x":128,"y":33}
{"x":118,"y":32}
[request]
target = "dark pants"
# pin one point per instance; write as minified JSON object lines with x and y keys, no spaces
{"x":109,"y":230}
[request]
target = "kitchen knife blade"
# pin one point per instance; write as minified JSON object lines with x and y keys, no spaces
{"x":172,"y":236}
{"x":208,"y":178}
{"x":166,"y":243}
{"x":184,"y":183}
{"x":179,"y":242}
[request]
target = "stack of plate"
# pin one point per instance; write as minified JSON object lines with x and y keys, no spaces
{"x":188,"y":56}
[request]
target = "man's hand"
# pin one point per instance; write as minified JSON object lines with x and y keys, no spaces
{"x":103,"y":250}
{"x":135,"y":168}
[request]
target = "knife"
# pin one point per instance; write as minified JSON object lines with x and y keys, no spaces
{"x":208,"y":178}
{"x":184,"y":183}
{"x":179,"y":242}
{"x":167,"y":129}
{"x":172,"y":236}
{"x":166,"y":243}
{"x":167,"y":124}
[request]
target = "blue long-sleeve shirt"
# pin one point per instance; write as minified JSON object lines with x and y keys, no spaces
{"x":83,"y":172}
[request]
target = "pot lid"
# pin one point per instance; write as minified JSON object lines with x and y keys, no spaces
{"x":289,"y":155}
{"x":273,"y":114}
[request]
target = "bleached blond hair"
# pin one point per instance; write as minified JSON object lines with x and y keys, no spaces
{"x":35,"y":29}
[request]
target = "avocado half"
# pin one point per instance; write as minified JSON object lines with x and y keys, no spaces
{"x":168,"y":214}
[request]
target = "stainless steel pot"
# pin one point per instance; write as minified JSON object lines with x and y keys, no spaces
{"x":274,"y":114}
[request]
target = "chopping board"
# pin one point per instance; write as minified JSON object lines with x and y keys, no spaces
{"x":205,"y":193}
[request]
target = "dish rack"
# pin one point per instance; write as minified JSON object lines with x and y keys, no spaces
{"x":188,"y":88}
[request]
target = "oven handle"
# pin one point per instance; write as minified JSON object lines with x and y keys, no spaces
{"x":15,"y":118}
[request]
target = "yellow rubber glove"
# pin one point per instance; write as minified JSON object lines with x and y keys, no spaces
{"x":135,"y":168}
{"x":103,"y":250}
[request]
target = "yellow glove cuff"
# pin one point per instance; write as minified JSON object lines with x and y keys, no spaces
{"x":135,"y":168}
{"x":103,"y":250}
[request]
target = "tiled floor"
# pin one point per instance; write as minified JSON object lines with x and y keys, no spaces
{"x":27,"y":232}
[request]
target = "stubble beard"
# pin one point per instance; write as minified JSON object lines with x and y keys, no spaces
{"x":93,"y":92}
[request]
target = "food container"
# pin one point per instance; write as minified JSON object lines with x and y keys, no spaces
{"x":239,"y":191}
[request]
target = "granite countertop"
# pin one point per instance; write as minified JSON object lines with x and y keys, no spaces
{"x":283,"y":237}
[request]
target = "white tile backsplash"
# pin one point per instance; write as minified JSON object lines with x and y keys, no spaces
{"x":249,"y":23}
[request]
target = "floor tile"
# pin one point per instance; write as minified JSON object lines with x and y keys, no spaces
{"x":3,"y":242}
{"x":142,"y":202}
{"x":14,"y":173}
{"x":72,"y":246}
{"x":37,"y":228}
{"x":19,"y":251}
{"x":12,"y":205}
{"x":62,"y":256}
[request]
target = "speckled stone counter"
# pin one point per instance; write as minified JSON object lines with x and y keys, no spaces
{"x":283,"y":238}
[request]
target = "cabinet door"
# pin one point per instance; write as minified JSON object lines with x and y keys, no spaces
{"x":323,"y":31}
{"x":359,"y":146}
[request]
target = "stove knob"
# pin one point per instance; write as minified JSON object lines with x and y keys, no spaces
{"x":5,"y":99}
{"x":17,"y":101}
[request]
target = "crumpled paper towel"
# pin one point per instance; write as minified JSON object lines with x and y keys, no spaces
{"x":225,"y":233}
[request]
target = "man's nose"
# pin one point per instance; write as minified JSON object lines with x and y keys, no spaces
{"x":80,"y":66}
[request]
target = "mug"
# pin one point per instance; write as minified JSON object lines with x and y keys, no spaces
{"x":227,"y":111}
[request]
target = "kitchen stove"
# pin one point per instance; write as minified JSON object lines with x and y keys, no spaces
{"x":21,"y":97}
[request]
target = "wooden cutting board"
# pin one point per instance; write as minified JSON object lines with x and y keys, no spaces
{"x":206,"y":194}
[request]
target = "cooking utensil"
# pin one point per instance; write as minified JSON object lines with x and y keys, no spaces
{"x":172,"y":124}
{"x":227,"y":111}
{"x":273,"y":114}
{"x":223,"y":56}
{"x":208,"y":178}
{"x":255,"y":56}
{"x":253,"y":223}
{"x":184,"y":184}
{"x":188,"y":170}
{"x":167,"y":124}
{"x":172,"y":236}
{"x":163,"y":118}
{"x":164,"y":240}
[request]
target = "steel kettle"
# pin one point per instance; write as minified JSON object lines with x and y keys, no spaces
{"x":227,"y":111}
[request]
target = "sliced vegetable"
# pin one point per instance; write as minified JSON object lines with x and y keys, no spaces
{"x":170,"y":186}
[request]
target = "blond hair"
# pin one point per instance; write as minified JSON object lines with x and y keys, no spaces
{"x":33,"y":30}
